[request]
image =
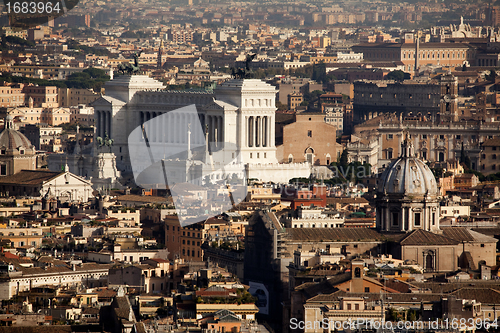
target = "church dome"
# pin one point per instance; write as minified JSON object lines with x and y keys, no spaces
{"x":408,"y":176}
{"x":12,"y":139}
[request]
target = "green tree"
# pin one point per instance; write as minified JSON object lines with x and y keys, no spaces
{"x":398,"y":76}
{"x":343,"y":159}
{"x":280,"y":106}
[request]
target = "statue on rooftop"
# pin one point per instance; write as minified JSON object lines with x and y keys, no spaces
{"x":131,"y":68}
{"x":244,"y":73}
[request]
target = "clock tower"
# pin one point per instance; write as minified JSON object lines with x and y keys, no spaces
{"x":448,"y":110}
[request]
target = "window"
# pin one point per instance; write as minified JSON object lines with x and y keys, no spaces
{"x":417,"y":220}
{"x":3,"y":169}
{"x":309,"y":134}
{"x":348,"y":306}
{"x":395,"y":218}
{"x":441,"y":137}
{"x":390,"y":136}
{"x":367,"y":289}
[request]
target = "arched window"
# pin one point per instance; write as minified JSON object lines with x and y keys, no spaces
{"x":429,"y":261}
{"x":290,"y":158}
{"x":309,"y":155}
{"x":357,"y":272}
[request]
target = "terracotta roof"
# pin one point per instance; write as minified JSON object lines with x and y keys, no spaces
{"x":141,"y":198}
{"x":30,"y":177}
{"x":105,"y":293}
{"x":346,"y":200}
{"x":458,"y":234}
{"x":336,"y":234}
{"x":422,"y":237}
{"x":491,"y":143}
{"x":411,"y":45}
{"x":398,"y":285}
{"x":483,"y":295}
{"x":390,"y":297}
{"x":311,"y":289}
{"x":375,"y":64}
{"x":440,"y":287}
{"x":39,"y":329}
{"x":488,"y":231}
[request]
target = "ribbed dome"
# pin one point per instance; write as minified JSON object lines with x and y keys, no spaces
{"x":12,"y":139}
{"x":408,"y":176}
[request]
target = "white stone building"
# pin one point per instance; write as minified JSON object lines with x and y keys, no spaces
{"x":53,"y":274}
{"x":239,"y":114}
{"x":364,"y":151}
{"x":314,"y":218}
{"x":36,"y":183}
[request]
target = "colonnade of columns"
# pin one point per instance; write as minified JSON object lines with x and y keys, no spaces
{"x":103,"y":119}
{"x":258,"y":131}
{"x":172,"y":128}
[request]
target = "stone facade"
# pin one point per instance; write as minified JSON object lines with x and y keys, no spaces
{"x":240,"y":113}
{"x":435,"y":142}
{"x":377,"y":97}
{"x":434,"y":54}
{"x":309,"y":139}
{"x":490,"y":156}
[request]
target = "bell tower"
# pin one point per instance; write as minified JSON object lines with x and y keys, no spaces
{"x":357,"y":273}
{"x":448,"y":106}
{"x":159,"y":61}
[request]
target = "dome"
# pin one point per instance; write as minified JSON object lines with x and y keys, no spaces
{"x":12,"y":139}
{"x":408,"y":176}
